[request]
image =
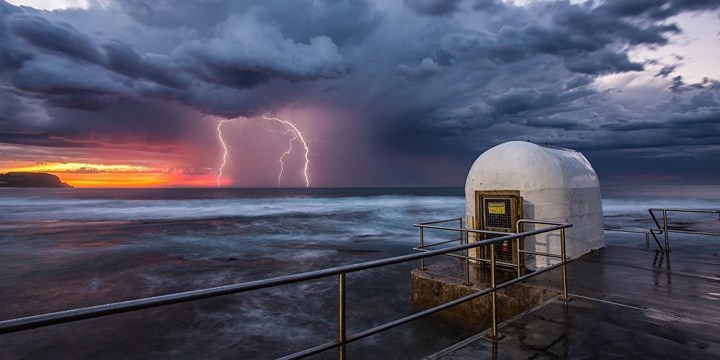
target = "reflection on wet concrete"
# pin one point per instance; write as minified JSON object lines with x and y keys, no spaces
{"x":624,"y":306}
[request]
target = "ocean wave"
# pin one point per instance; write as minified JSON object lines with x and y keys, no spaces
{"x":19,"y":209}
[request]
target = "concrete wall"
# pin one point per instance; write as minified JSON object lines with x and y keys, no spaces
{"x":556,"y":185}
{"x":429,"y":291}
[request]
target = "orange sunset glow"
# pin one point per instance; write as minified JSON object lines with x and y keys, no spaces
{"x":119,"y":175}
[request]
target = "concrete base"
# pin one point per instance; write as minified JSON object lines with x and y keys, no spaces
{"x":443,"y":282}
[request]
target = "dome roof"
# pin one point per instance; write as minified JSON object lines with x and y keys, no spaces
{"x":520,"y":165}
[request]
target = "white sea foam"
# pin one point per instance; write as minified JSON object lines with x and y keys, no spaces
{"x":24,"y":209}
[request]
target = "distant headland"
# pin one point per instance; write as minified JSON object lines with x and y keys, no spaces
{"x":31,"y":180}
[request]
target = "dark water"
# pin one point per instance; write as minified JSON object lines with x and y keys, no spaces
{"x":68,"y":248}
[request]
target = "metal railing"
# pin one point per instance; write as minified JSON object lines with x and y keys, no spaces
{"x":665,"y":229}
{"x":60,"y":317}
{"x":464,"y":238}
{"x":632,"y":231}
{"x":464,"y":235}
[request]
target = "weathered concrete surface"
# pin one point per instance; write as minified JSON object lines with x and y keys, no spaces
{"x":443,"y":282}
{"x":623,"y":307}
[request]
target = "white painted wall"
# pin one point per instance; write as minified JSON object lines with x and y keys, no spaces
{"x":556,"y":185}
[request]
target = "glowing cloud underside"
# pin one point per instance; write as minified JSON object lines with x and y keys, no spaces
{"x":83,"y":168}
{"x":291,"y":128}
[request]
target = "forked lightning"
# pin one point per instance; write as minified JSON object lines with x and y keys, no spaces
{"x":291,"y":128}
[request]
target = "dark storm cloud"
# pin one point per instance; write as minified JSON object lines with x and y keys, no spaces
{"x":521,"y":100}
{"x":490,"y":6}
{"x":442,"y":77}
{"x":123,"y":59}
{"x":666,"y":70}
{"x":578,"y":33}
{"x":344,"y":21}
{"x":426,"y":68}
{"x":61,"y":38}
{"x":593,"y":25}
{"x":656,"y":9}
{"x":433,"y":7}
{"x":12,"y":53}
{"x":699,"y":112}
{"x":679,"y":85}
{"x":601,"y":62}
{"x":65,"y":83}
{"x":253,"y":53}
{"x":69,"y":69}
{"x":167,"y":13}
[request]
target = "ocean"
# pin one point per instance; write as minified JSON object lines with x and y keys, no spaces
{"x":67,"y":248}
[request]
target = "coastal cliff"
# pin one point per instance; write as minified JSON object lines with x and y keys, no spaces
{"x":32,"y":180}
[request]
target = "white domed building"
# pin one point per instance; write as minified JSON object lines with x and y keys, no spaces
{"x":538,"y":183}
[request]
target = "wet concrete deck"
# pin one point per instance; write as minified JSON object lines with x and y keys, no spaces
{"x":625,"y":305}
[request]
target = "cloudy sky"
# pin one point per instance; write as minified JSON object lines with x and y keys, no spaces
{"x":385,"y":93}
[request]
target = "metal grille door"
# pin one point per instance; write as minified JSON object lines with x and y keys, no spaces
{"x":499,"y":211}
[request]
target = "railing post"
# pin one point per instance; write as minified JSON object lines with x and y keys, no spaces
{"x":342,"y":335}
{"x":494,"y":336}
{"x":563,"y":257}
{"x":667,"y":240}
{"x":422,"y":244}
{"x":467,"y":261}
{"x":647,"y":241}
{"x":518,"y":227}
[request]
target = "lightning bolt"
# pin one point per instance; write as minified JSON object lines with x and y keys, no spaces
{"x":225,"y":150}
{"x":286,"y":153}
{"x":291,"y":128}
{"x":297,"y":135}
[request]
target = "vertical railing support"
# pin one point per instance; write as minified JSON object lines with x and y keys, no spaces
{"x":563,"y":258}
{"x":467,"y":261}
{"x":342,"y":333}
{"x":494,"y":336}
{"x":667,"y":240}
{"x":422,"y":244}
{"x":518,"y":227}
{"x":647,"y":241}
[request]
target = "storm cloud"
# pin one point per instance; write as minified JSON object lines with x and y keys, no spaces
{"x":422,"y":78}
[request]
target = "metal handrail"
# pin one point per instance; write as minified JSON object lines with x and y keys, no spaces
{"x":646,"y":232}
{"x":467,"y":257}
{"x":665,"y":230}
{"x":60,"y":317}
{"x":429,"y":223}
{"x":439,"y":221}
{"x":520,"y":225}
{"x":463,"y":235}
{"x":494,"y":336}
